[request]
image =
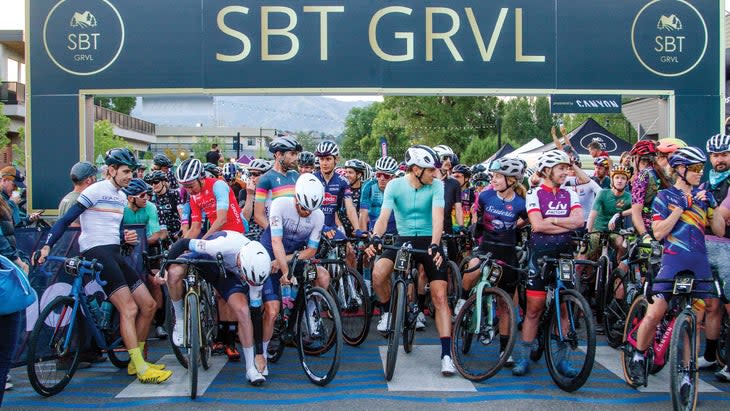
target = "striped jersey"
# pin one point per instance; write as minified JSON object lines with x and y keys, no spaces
{"x":101,"y":220}
{"x":273,"y":185}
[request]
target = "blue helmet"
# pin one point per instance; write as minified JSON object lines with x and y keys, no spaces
{"x":686,"y":156}
{"x":136,"y":187}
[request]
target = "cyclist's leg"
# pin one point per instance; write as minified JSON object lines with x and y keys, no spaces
{"x":323,"y":277}
{"x":438,"y":283}
{"x":271,"y":296}
{"x":381,"y":278}
{"x":236,"y":297}
{"x":654,"y":314}
{"x":713,"y":321}
{"x":142,"y":298}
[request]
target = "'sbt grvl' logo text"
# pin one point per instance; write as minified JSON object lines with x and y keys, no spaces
{"x":669,"y":37}
{"x":83,"y":37}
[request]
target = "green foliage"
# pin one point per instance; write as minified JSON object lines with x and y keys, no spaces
{"x":4,"y":127}
{"x":306,"y":140}
{"x":119,"y":104}
{"x":358,"y":125}
{"x":19,"y":149}
{"x":200,"y":147}
{"x":104,"y":138}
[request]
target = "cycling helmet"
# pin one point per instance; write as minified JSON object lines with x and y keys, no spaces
{"x":670,"y":145}
{"x":309,"y":192}
{"x":121,"y":157}
{"x":368,"y":173}
{"x":229,"y":171}
{"x":478,"y":168}
{"x":155,"y":176}
{"x":327,"y":148}
{"x":211,"y":170}
{"x":306,"y":158}
{"x":422,"y":156}
{"x":719,"y":143}
{"x":552,"y":158}
{"x":356,"y":165}
{"x":82,"y":170}
{"x":481,"y":177}
{"x":510,"y":167}
{"x":619,"y":169}
{"x":443,"y":150}
{"x":461,"y":169}
{"x":643,"y":148}
{"x":530,"y":172}
{"x":386,"y":165}
{"x":189,"y":170}
{"x":161,"y":160}
{"x":687,"y":156}
{"x":284,"y":144}
{"x":136,"y":187}
{"x":601,"y":161}
{"x":399,"y":173}
{"x":259,"y":164}
{"x":340,"y":172}
{"x":254,"y":264}
{"x":316,"y":162}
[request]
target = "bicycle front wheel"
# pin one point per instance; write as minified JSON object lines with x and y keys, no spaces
{"x":208,"y":324}
{"x":54,"y":347}
{"x":193,"y":335}
{"x":395,"y":327}
{"x":475,"y":347}
{"x":318,"y":322}
{"x":570,"y":341}
{"x":616,"y":308}
{"x":353,"y":300}
{"x":180,"y":352}
{"x":636,"y":313}
{"x":683,"y":363}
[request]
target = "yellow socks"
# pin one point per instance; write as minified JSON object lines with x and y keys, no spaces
{"x":137,"y":361}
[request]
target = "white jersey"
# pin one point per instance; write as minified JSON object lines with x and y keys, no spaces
{"x":587,"y":193}
{"x":228,"y":243}
{"x":101,"y":220}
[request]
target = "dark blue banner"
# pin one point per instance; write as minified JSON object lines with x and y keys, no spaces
{"x":574,"y":103}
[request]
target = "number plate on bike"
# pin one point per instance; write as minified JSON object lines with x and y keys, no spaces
{"x":402,"y":260}
{"x":683,"y":285}
{"x":495,"y":273}
{"x":565,"y":270}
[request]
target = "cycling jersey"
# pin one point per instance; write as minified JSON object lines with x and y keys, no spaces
{"x":467,"y":200}
{"x":101,"y":220}
{"x":644,"y":188}
{"x":172,"y":180}
{"x":371,"y":200}
{"x":273,"y":185}
{"x":605,"y":183}
{"x":413,"y":207}
{"x":296,"y":231}
{"x":684,"y":247}
{"x":607,"y":204}
{"x":452,"y":195}
{"x":167,"y":210}
{"x":228,"y":243}
{"x":342,"y":211}
{"x":498,"y":217}
{"x":586,"y":193}
{"x":335,"y":192}
{"x":215,"y":195}
{"x":551,"y":203}
{"x":146,"y":216}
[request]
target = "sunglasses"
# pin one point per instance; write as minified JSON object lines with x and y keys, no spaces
{"x":255,"y":174}
{"x":696,"y":168}
{"x":384,"y":176}
{"x":188,"y":185}
{"x":141,"y":196}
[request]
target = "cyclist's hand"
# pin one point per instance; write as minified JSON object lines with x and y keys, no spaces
{"x":612,"y":221}
{"x":284,"y":280}
{"x":360,"y":233}
{"x":39,"y":257}
{"x":157,"y":279}
{"x":23,"y":266}
{"x":130,"y":237}
{"x":435,"y":252}
{"x":274,"y":266}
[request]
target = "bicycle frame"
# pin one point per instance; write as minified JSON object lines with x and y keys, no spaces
{"x":564,"y":276}
{"x":489,"y":278}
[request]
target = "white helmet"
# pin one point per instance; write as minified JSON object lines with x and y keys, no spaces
{"x":511,"y":167}
{"x":552,"y":158}
{"x":259,"y":164}
{"x":386,"y":165}
{"x":422,"y":156}
{"x":719,"y":143}
{"x":309,"y":192}
{"x":189,"y":170}
{"x":443,"y":150}
{"x":254,"y":263}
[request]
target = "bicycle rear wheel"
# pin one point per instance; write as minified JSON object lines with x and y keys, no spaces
{"x":570,"y":358}
{"x":353,"y":301}
{"x":193,"y":335}
{"x":454,"y":283}
{"x":319,"y":320}
{"x":636,"y":313}
{"x":51,"y":366}
{"x":481,"y":359}
{"x":397,"y":313}
{"x":117,"y":352}
{"x":683,"y":363}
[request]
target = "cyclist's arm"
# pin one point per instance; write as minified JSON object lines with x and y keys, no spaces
{"x":591,"y":219}
{"x":259,"y":208}
{"x":248,"y":205}
{"x":221,"y":191}
{"x":662,"y":227}
{"x":437,"y":212}
{"x":459,"y":214}
{"x":580,"y":176}
{"x":314,"y":236}
{"x":352,"y":213}
{"x":719,"y":220}
{"x":365,"y":205}
{"x":381,"y":224}
{"x":155,"y":232}
{"x":62,"y":224}
{"x":196,"y":219}
{"x":575,"y":220}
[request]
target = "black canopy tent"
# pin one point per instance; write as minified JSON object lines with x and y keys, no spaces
{"x":590,"y":131}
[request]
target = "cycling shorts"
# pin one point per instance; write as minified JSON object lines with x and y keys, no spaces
{"x":226,"y":286}
{"x":510,"y":277}
{"x":536,"y":283}
{"x":117,"y":272}
{"x":422,"y":243}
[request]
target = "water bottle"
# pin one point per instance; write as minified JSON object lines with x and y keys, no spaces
{"x":286,"y":300}
{"x":94,"y":308}
{"x":106,"y":315}
{"x":255,"y":296}
{"x":294,"y":290}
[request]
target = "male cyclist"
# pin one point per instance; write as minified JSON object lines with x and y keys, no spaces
{"x":306,"y":162}
{"x":462,"y":174}
{"x":601,"y":165}
{"x":417,"y":201}
{"x":609,"y":207}
{"x":337,"y":192}
{"x":553,"y":213}
{"x":100,"y":209}
{"x":256,"y":168}
{"x":355,"y":175}
{"x":279,"y":180}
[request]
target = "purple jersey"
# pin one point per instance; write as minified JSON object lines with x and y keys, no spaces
{"x":335,"y":193}
{"x":549,"y":202}
{"x":498,"y":217}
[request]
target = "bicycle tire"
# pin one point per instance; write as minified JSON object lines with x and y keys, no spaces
{"x":179,"y":352}
{"x":276,"y":344}
{"x":636,"y":312}
{"x":397,"y":313}
{"x":355,"y":316}
{"x":574,"y":302}
{"x":721,"y":342}
{"x":193,"y":334}
{"x":118,"y":354}
{"x":208,"y":325}
{"x":463,"y":326}
{"x":454,"y":283}
{"x":684,"y":332}
{"x":615,"y":309}
{"x":320,"y":296}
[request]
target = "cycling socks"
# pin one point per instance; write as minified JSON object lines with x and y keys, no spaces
{"x":445,"y":346}
{"x":638,"y":355}
{"x":177,"y":306}
{"x":711,"y":350}
{"x":385,"y":306}
{"x":421,"y":301}
{"x":135,"y":355}
{"x":265,"y":346}
{"x":503,"y":340}
{"x":248,"y":355}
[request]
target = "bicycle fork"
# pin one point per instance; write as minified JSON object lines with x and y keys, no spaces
{"x":186,"y":336}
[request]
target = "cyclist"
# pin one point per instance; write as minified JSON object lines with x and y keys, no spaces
{"x":553,"y":213}
{"x":294,"y":223}
{"x":278,"y":181}
{"x":230,"y":174}
{"x":648,"y":180}
{"x":83,"y":174}
{"x":480,"y":181}
{"x":256,"y":168}
{"x":462,"y":174}
{"x":446,"y":155}
{"x":306,"y":162}
{"x":100,"y":208}
{"x":601,"y":166}
{"x":337,"y":192}
{"x":500,"y":212}
{"x":665,"y":148}
{"x":609,"y":207}
{"x":679,"y":220}
{"x":355,"y":175}
{"x":162,"y":163}
{"x":247,"y":265}
{"x":417,"y":201}
{"x":166,"y":200}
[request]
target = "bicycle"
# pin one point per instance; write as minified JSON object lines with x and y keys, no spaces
{"x":453,"y":275}
{"x":349,"y":290}
{"x":59,"y":334}
{"x":574,"y":339}
{"x":681,"y":332}
{"x":313,"y":325}
{"x":479,"y":318}
{"x":200,"y":326}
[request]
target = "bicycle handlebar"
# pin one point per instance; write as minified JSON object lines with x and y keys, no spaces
{"x":187,"y":261}
{"x":75,"y":266}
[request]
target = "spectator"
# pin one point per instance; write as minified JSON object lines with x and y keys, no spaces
{"x":596,"y":150}
{"x":139,"y":173}
{"x":11,"y":180}
{"x":83,"y":174}
{"x":214,"y":155}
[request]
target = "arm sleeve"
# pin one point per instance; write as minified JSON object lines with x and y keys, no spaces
{"x":276,"y":218}
{"x":574,"y":200}
{"x":437,"y":201}
{"x":316,"y":234}
{"x":57,"y":230}
{"x":221,"y":191}
{"x":532,"y":201}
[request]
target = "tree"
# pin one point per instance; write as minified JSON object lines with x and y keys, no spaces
{"x":202,"y":146}
{"x":306,"y":140}
{"x":358,"y":125}
{"x":19,"y":149}
{"x":123,"y":105}
{"x":4,"y":127}
{"x":104,"y":138}
{"x":519,"y":121}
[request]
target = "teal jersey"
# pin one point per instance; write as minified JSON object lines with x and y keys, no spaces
{"x":413,"y":208}
{"x":146,"y":216}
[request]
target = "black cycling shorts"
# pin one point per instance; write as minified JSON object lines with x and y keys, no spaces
{"x":226,"y":286}
{"x":536,"y":284}
{"x":422,"y":243}
{"x":510,"y":277}
{"x":117,"y":272}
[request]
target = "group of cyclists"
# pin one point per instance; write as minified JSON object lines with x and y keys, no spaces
{"x":258,"y":216}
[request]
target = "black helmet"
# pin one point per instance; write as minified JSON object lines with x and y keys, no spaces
{"x":478,"y":168}
{"x":284,"y":144}
{"x":211,"y":169}
{"x":136,"y":187}
{"x":306,"y":158}
{"x":121,"y":157}
{"x":155,"y":176}
{"x":462,"y":169}
{"x":161,"y":160}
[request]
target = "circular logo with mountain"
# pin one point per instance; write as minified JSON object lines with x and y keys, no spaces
{"x":669,"y":37}
{"x":83,"y":37}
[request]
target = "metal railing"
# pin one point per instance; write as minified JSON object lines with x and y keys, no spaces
{"x":12,"y":93}
{"x":124,"y":121}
